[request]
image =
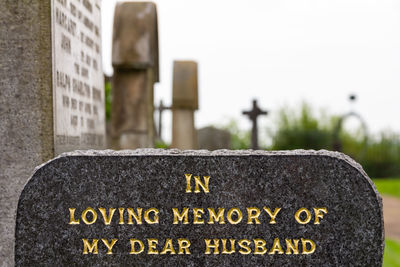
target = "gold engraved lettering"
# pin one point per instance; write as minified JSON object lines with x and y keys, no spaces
{"x":238,"y":213}
{"x":225,"y":250}
{"x":319,"y":214}
{"x":244,"y":244}
{"x":168,"y":247}
{"x":72,"y":217}
{"x":107,"y":220}
{"x":299,"y":212}
{"x":210,"y":246}
{"x":184,"y":245}
{"x":198,"y":183}
{"x":253,"y":214}
{"x":216,"y":217}
{"x":276,"y":247}
{"x":204,"y":185}
{"x":292,"y":247}
{"x":304,"y":243}
{"x":121,"y":215}
{"x":94,"y":216}
{"x":272,"y":214}
{"x":152,"y":246}
{"x":259,"y":247}
{"x":90,"y":248}
{"x":109,"y":246}
{"x":188,"y":187}
{"x":197,"y":212}
{"x":137,"y":216}
{"x":133,"y":243}
{"x":180,"y":217}
{"x":147,"y":216}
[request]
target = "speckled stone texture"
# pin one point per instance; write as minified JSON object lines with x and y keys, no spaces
{"x":350,"y":234}
{"x":26,"y":105}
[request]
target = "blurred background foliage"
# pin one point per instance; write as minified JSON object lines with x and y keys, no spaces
{"x":240,"y":139}
{"x":301,"y":128}
{"x":108,"y":99}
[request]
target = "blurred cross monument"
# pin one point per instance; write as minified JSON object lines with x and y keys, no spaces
{"x":184,"y":104}
{"x":253,"y":115}
{"x":161,"y":108}
{"x":136,"y":70}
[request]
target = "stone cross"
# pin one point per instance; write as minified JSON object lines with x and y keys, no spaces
{"x":52,"y":92}
{"x":151,"y":207}
{"x":136,"y":70}
{"x":253,"y":115}
{"x":184,"y":104}
{"x":161,"y":108}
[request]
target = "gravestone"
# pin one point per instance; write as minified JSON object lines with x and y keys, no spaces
{"x":212,"y":138}
{"x":52,"y":92}
{"x":184,"y":103}
{"x":200,"y":208}
{"x":135,"y":62}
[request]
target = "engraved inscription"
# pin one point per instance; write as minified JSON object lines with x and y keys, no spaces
{"x":78,"y":88}
{"x":198,"y":216}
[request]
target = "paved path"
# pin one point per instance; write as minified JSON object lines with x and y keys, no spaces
{"x":391,"y":215}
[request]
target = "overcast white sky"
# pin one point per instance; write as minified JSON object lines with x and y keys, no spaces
{"x":280,"y":52}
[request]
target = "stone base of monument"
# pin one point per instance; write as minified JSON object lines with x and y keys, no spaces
{"x":200,"y":208}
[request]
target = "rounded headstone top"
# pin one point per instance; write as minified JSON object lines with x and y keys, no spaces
{"x":78,"y":203}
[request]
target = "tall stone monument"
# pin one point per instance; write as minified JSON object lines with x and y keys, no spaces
{"x":184,"y":103}
{"x":52,"y":95}
{"x":135,"y":62}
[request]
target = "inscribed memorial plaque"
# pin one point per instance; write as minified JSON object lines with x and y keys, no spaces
{"x":78,"y":80}
{"x":222,"y":208}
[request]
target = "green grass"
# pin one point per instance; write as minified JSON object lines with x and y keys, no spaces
{"x":388,"y":186}
{"x":391,"y":258}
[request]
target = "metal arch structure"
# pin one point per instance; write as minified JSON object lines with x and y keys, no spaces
{"x":337,"y":145}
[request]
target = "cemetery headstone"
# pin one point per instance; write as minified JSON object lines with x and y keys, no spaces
{"x":212,"y":138}
{"x":135,"y":62}
{"x":52,"y":92}
{"x":184,"y":103}
{"x":200,"y":208}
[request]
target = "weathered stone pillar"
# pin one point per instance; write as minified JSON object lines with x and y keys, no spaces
{"x":184,"y":103}
{"x":51,"y":93}
{"x":135,"y":61}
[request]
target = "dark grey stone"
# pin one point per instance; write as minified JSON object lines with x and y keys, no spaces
{"x":350,"y":234}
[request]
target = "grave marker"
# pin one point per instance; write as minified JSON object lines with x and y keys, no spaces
{"x":52,"y":92}
{"x":225,"y":208}
{"x":253,"y":116}
{"x":135,"y":62}
{"x":184,"y":103}
{"x":212,"y":138}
